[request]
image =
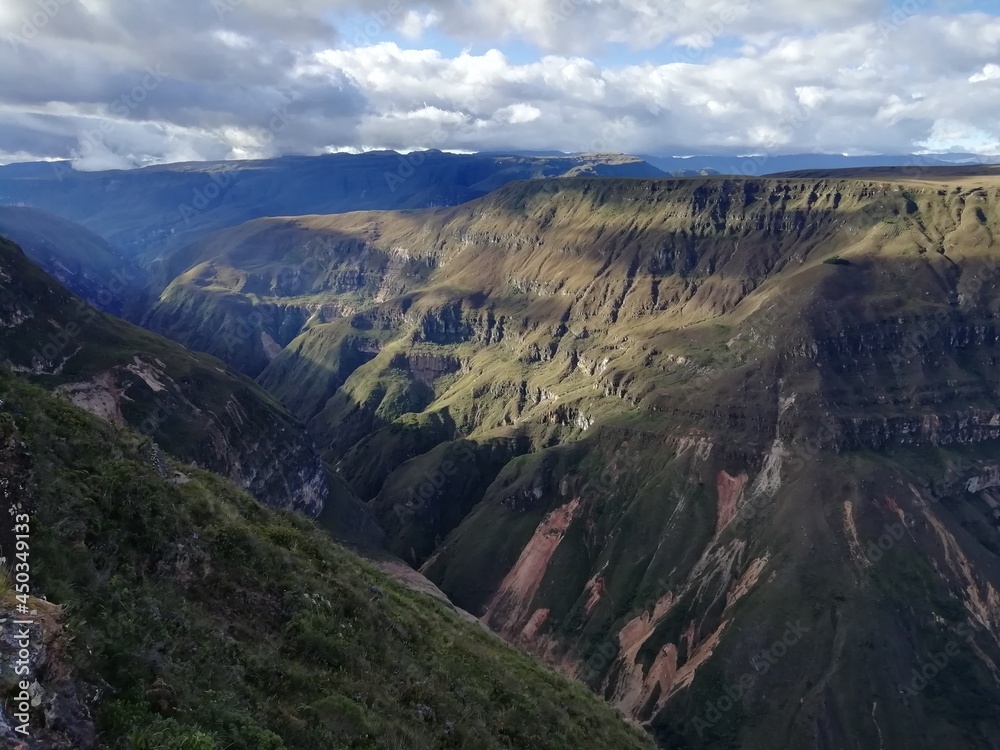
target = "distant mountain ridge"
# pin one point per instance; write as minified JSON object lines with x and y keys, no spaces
{"x":759,"y":165}
{"x":768,"y":164}
{"x":144,"y":213}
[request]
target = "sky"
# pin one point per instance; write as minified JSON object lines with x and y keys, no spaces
{"x":125,"y":83}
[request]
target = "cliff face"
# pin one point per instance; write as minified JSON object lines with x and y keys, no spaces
{"x":191,"y":405}
{"x":715,"y":447}
{"x":242,"y":440}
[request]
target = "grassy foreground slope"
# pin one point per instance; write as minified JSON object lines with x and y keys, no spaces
{"x":183,"y":614}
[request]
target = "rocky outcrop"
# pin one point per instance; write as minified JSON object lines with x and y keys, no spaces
{"x":272,"y":459}
{"x":45,"y":705}
{"x":730,"y":492}
{"x":427,"y":367}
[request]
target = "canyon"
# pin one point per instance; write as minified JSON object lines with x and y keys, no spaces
{"x":642,"y":429}
{"x":686,"y":410}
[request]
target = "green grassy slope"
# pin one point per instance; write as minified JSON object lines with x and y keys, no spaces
{"x":208,"y":621}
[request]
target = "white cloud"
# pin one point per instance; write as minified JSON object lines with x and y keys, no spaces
{"x":268,"y":78}
{"x":990,"y":72}
{"x":415,"y":23}
{"x":948,"y":134}
{"x":516,"y":114}
{"x":100,"y":157}
{"x":232,"y":39}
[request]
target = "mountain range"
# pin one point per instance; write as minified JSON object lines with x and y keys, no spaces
{"x":144,"y":213}
{"x":721,"y":448}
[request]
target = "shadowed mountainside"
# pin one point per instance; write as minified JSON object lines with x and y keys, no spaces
{"x":77,"y":258}
{"x":191,"y":404}
{"x":171,"y":611}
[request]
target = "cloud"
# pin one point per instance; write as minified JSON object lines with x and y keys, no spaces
{"x":990,"y":72}
{"x":516,"y":114}
{"x":415,"y":23}
{"x":585,"y":26}
{"x":124,"y":83}
{"x":853,"y":90}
